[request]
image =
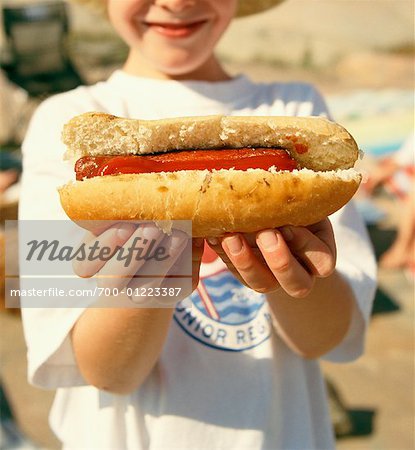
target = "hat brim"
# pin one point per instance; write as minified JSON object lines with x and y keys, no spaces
{"x":245,"y":7}
{"x":249,"y":7}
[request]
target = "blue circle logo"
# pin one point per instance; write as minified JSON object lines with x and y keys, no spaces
{"x":225,"y":314}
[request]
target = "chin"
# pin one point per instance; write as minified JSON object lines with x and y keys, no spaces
{"x":178,"y":65}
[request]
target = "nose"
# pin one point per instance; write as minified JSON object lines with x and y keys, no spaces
{"x":175,"y":5}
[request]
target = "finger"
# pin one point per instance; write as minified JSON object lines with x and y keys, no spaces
{"x":151,"y":273}
{"x":179,"y":288}
{"x":292,"y":277}
{"x":197,"y":249}
{"x":324,"y":231}
{"x":182,"y":265}
{"x":101,"y":248}
{"x":151,"y":288}
{"x":313,"y":252}
{"x":255,"y":274}
{"x":215,"y":244}
{"x":217,"y":247}
{"x":97,"y":227}
{"x":197,"y":253}
{"x":130,"y":257}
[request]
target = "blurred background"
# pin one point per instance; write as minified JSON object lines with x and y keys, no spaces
{"x":360,"y":54}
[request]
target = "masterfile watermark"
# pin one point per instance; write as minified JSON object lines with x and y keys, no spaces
{"x":141,"y":249}
{"x":118,"y":264}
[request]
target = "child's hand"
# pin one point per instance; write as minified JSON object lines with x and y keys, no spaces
{"x":116,"y":274}
{"x":289,"y":257}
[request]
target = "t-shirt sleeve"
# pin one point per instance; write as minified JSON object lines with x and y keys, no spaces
{"x":356,"y":263}
{"x":355,"y":256}
{"x":44,"y":169}
{"x":51,"y":362}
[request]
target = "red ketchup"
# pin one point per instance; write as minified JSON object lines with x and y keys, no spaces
{"x":240,"y":159}
{"x":298,"y":146}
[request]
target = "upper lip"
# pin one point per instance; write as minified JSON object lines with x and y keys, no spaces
{"x":175,"y":23}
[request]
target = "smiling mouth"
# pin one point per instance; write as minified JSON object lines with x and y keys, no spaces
{"x":175,"y":30}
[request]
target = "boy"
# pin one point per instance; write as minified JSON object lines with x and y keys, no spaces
{"x":239,"y":369}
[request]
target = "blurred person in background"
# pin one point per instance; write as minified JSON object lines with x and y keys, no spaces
{"x":396,"y":173}
{"x":12,"y":102}
{"x":7,"y":178}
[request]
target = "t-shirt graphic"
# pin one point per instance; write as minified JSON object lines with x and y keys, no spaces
{"x":224,"y":314}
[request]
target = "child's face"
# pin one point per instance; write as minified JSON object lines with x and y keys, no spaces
{"x":175,"y":37}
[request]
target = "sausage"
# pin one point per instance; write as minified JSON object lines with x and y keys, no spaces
{"x":241,"y":159}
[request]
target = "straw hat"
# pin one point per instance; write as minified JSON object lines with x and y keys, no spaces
{"x":248,"y":7}
{"x":245,"y":7}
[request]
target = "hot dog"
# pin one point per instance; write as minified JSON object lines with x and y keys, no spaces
{"x":225,"y":173}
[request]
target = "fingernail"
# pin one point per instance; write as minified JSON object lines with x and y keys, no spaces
{"x":125,"y":230}
{"x":213,"y":241}
{"x":287,"y":233}
{"x":150,"y":232}
{"x":268,"y":240}
{"x":177,"y":240}
{"x":234,"y":244}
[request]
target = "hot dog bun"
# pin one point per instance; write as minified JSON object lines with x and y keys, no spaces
{"x":217,"y":201}
{"x":330,"y":146}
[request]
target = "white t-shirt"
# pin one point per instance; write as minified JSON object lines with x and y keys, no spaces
{"x":225,"y":379}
